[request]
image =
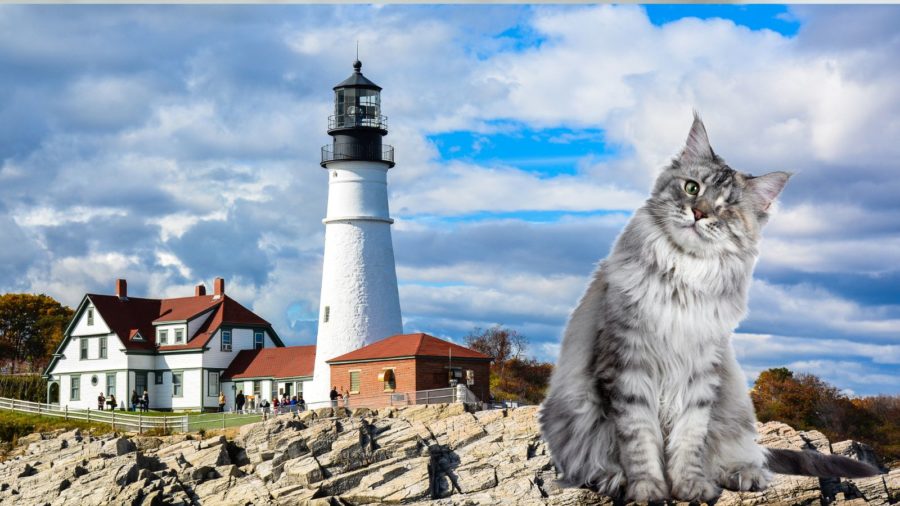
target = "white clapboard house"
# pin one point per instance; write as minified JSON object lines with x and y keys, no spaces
{"x":183,"y":351}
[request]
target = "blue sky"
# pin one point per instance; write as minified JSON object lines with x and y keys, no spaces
{"x":173,"y":144}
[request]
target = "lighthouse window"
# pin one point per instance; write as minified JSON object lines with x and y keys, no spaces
{"x":327,"y":314}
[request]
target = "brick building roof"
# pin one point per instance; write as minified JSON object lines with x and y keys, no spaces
{"x":408,"y":345}
{"x":288,"y":362}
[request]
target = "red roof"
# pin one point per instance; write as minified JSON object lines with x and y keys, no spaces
{"x":184,"y":308}
{"x":288,"y":362}
{"x":409,"y":345}
{"x":124,"y":316}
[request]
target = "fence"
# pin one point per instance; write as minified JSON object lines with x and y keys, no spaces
{"x":140,"y":423}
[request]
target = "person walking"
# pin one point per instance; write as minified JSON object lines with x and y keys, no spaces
{"x":264,"y":406}
{"x":134,"y":400}
{"x":334,"y":397}
{"x":101,"y":401}
{"x":221,"y":402}
{"x":346,"y":398}
{"x":239,"y":402}
{"x":145,"y":401}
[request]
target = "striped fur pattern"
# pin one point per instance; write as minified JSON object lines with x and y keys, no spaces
{"x":647,"y":401}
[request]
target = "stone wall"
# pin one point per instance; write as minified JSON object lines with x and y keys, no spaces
{"x":436,"y":454}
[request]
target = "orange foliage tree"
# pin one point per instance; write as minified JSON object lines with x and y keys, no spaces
{"x":513,"y":377}
{"x":805,"y":402}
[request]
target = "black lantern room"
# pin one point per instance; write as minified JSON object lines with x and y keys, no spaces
{"x":357,"y":125}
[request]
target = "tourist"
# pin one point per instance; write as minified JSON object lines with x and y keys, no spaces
{"x":145,"y":401}
{"x":239,"y":402}
{"x":112,"y":402}
{"x":221,"y":402}
{"x":346,"y":398}
{"x":101,"y":401}
{"x":294,"y":403}
{"x":264,"y":406}
{"x":275,"y":405}
{"x":334,"y":397}
{"x":301,"y":404}
{"x":134,"y":400}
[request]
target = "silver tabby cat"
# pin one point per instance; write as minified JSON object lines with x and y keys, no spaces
{"x":647,"y":402}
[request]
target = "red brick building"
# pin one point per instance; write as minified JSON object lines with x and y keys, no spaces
{"x":407,"y":363}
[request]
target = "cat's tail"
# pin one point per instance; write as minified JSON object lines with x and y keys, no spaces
{"x":813,"y":463}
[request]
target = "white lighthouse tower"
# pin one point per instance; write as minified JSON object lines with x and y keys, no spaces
{"x":359,"y":302}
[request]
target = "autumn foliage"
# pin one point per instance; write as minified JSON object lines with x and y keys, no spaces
{"x":805,"y":402}
{"x":31,"y":327}
{"x":514,"y":377}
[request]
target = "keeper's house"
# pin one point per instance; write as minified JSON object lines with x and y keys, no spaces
{"x":177,"y":349}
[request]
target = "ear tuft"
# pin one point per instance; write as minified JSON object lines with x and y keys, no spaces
{"x":697,"y":146}
{"x":765,"y":189}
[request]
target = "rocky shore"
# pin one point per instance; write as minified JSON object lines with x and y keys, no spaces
{"x":438,"y":454}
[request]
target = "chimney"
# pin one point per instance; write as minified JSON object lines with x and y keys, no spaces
{"x":200,"y":290}
{"x":219,"y":285}
{"x":121,"y":288}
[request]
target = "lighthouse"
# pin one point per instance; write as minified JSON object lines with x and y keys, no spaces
{"x":359,"y":301}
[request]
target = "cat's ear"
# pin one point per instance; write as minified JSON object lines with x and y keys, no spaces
{"x":763,"y":190}
{"x":697,"y":147}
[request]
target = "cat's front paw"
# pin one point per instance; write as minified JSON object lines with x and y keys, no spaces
{"x":647,"y":490}
{"x":746,"y":478}
{"x":610,"y":483}
{"x":697,"y":489}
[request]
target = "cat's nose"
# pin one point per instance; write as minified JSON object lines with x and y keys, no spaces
{"x":698,"y":214}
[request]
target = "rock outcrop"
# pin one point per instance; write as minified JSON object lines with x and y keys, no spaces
{"x":437,"y":454}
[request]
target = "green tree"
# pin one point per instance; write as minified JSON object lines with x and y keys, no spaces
{"x":31,"y":326}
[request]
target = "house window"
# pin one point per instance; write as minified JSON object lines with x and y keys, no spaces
{"x":390,"y":381}
{"x":90,"y":316}
{"x":75,"y":388}
{"x":84,"y":348}
{"x":179,"y":336}
{"x":159,"y":377}
{"x":354,"y":382}
{"x":257,"y":390}
{"x":287,"y":389}
{"x":258,"y":339}
{"x":327,"y":314}
{"x":140,"y":382}
{"x":102,"y":347}
{"x":163,"y":337}
{"x":110,"y":384}
{"x":226,"y":340}
{"x":176,"y":383}
{"x":212,"y":389}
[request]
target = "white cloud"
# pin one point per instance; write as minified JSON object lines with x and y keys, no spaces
{"x":211,"y":126}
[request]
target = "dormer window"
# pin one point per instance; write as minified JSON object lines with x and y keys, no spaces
{"x":163,"y":337}
{"x":90,"y":316}
{"x":258,"y":340}
{"x":226,"y":340}
{"x":179,"y":336}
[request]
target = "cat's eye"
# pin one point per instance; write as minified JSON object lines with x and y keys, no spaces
{"x":691,"y":187}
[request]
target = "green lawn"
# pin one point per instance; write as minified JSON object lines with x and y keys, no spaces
{"x":14,"y":425}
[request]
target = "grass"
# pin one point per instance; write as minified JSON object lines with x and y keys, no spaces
{"x":200,"y":421}
{"x":14,"y":425}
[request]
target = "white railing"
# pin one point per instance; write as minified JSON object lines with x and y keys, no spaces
{"x":129,"y":422}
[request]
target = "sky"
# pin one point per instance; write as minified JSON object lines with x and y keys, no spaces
{"x":169,"y":145}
